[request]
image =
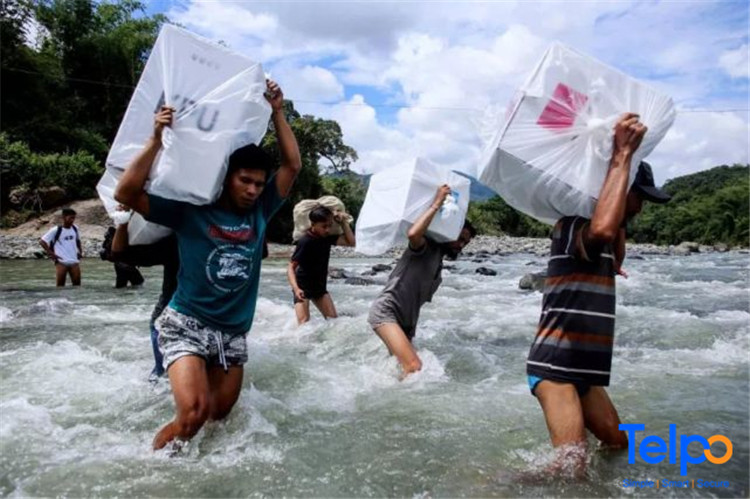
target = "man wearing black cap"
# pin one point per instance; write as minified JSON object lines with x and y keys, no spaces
{"x":569,"y":362}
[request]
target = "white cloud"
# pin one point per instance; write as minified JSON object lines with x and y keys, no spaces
{"x":701,"y":140}
{"x":736,"y":62}
{"x":308,"y":83}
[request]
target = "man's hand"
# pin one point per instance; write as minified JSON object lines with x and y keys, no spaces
{"x":442,"y":193}
{"x":299,"y":294}
{"x":161,"y":119}
{"x":274,"y":95}
{"x":339,"y":217}
{"x":629,"y":134}
{"x":52,"y":256}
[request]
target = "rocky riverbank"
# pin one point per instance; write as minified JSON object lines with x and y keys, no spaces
{"x":22,"y":242}
{"x":26,"y":246}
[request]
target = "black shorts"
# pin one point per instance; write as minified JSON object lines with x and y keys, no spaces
{"x":581,"y":388}
{"x":310,"y":294}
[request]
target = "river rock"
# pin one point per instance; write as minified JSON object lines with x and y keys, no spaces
{"x":359,"y":281}
{"x":337,"y":273}
{"x":485,"y":271}
{"x":690,"y":246}
{"x":533,"y":281}
{"x":381,"y":267}
{"x":721,"y":247}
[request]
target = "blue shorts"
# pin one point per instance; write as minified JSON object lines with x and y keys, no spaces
{"x":581,"y":388}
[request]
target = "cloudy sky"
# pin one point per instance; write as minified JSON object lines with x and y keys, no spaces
{"x":407,"y":79}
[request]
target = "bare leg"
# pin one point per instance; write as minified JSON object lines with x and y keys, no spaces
{"x":601,"y":418}
{"x":75,"y":274}
{"x":190,"y":388}
{"x":565,"y":421}
{"x":326,"y":306}
{"x":61,"y":272}
{"x":302,"y":309}
{"x":400,"y":346}
{"x":225,"y":390}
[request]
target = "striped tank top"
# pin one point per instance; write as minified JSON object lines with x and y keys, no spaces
{"x":576,"y":329}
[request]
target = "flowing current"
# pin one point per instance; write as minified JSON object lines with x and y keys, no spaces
{"x":322,"y":412}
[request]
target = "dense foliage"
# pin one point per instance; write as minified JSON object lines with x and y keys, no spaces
{"x":706,"y":207}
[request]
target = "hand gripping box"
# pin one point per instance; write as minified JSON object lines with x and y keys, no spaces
{"x":551,"y":156}
{"x":397,"y":197}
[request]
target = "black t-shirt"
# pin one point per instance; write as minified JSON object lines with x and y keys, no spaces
{"x":312,"y":255}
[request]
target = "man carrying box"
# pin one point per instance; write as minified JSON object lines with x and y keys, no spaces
{"x":202,"y":331}
{"x":569,"y":362}
{"x":395,"y":313}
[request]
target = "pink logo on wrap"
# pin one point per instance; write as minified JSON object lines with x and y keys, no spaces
{"x":562,"y":109}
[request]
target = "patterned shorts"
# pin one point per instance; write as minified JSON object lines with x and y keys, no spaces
{"x":181,"y":335}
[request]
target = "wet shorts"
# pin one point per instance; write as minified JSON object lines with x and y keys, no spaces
{"x":310,"y":294}
{"x":381,"y":312}
{"x":581,"y":388}
{"x":181,"y":335}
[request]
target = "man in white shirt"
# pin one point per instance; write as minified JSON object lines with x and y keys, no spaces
{"x":63,"y":246}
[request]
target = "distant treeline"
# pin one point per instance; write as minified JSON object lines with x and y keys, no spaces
{"x":708,"y":207}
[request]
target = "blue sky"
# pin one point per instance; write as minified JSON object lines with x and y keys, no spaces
{"x":451,"y":65}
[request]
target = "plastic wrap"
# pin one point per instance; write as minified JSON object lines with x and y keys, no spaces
{"x":397,"y":197}
{"x":551,"y":156}
{"x":220,"y":107}
{"x":302,"y":215}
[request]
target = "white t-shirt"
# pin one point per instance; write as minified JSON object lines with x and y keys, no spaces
{"x":66,"y":248}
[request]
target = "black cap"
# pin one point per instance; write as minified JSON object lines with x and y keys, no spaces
{"x":645,"y":187}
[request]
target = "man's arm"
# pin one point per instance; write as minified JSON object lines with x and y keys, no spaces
{"x":130,"y":189}
{"x":291,"y":275}
{"x":610,"y":208}
{"x":78,"y":245}
{"x":291,"y":162}
{"x":50,"y":254}
{"x":120,"y":241}
{"x":417,"y":230}
{"x":347,"y":238}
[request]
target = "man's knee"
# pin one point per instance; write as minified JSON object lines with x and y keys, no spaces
{"x":615,"y":439}
{"x":220,"y":412}
{"x":412,"y":365}
{"x":192,"y":418}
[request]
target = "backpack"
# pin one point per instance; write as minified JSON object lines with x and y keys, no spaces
{"x":106,"y":252}
{"x":57,"y":237}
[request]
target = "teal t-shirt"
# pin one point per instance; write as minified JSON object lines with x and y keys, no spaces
{"x":220,"y":256}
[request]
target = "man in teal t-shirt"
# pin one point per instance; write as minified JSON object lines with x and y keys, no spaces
{"x":202,"y":331}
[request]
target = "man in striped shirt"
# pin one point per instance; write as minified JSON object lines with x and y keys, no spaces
{"x":569,"y":362}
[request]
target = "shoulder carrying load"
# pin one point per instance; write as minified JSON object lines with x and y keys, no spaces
{"x":302,"y":214}
{"x":218,"y":95}
{"x":551,"y":157}
{"x":397,"y":197}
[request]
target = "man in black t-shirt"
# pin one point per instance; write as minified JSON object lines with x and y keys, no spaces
{"x":308,"y":269}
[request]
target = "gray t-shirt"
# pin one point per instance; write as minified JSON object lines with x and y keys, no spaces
{"x":411,"y":284}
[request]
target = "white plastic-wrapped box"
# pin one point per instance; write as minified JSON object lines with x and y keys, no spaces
{"x":551,"y":156}
{"x":397,"y":197}
{"x":218,"y":95}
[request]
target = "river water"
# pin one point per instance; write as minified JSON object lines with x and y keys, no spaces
{"x":322,"y":412}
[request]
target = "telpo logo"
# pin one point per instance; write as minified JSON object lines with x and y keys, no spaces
{"x":653,"y":454}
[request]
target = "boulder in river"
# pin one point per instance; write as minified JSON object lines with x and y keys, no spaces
{"x":533,"y":281}
{"x":485,"y":271}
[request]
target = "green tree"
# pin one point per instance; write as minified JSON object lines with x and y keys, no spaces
{"x":318,"y":140}
{"x":71,"y":91}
